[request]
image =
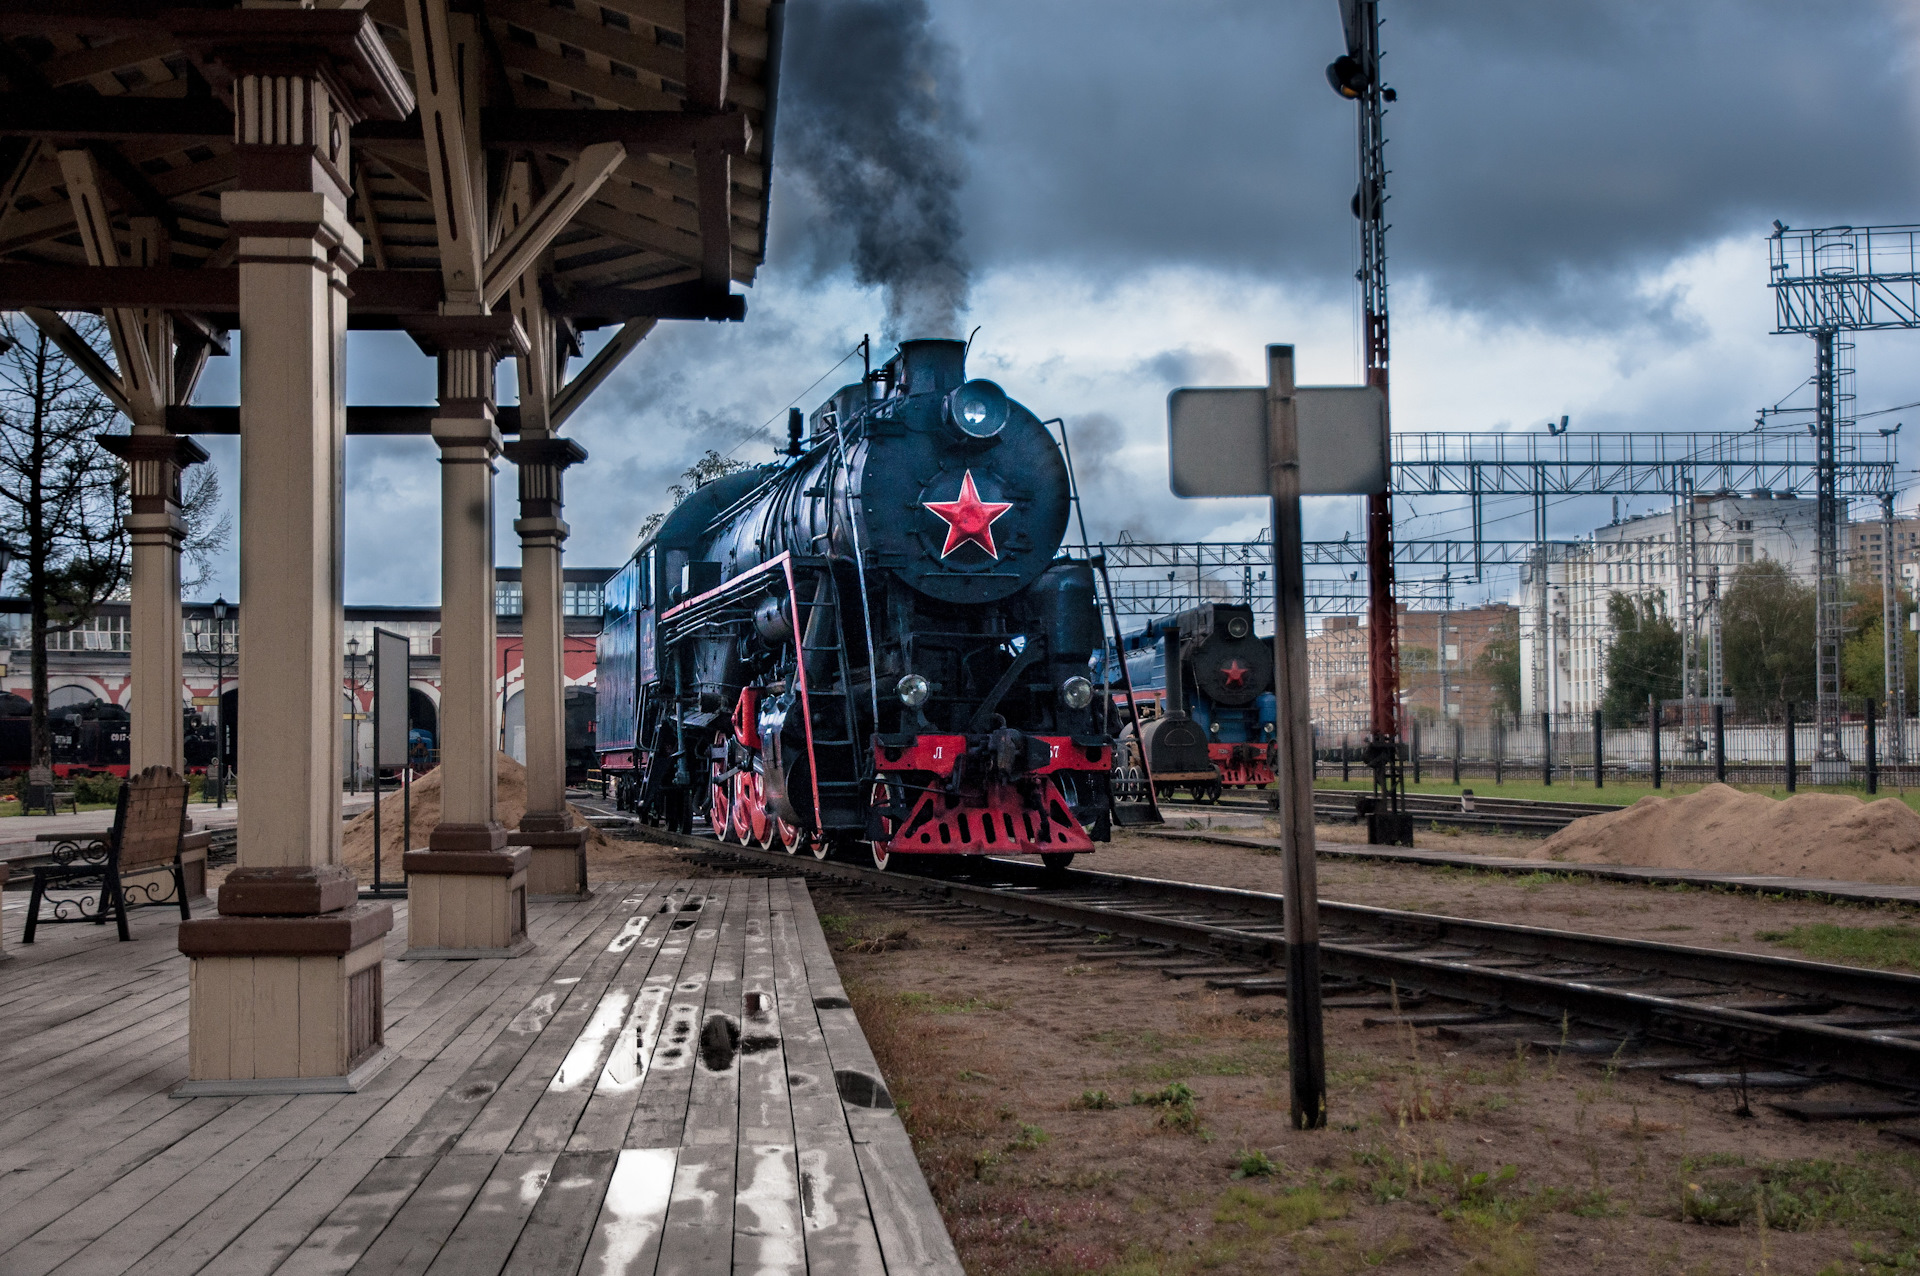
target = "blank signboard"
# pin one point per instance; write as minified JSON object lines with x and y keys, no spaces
{"x":1217,"y":441}
{"x":389,"y":698}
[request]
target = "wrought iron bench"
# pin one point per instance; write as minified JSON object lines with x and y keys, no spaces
{"x":144,"y":844}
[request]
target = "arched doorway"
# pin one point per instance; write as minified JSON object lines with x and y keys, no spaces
{"x":423,"y":729}
{"x":513,"y":728}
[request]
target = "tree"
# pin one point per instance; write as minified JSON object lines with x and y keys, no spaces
{"x":1643,"y":659}
{"x":698,"y":475}
{"x":1863,"y":656}
{"x":1499,"y":663}
{"x":63,"y":497}
{"x":1766,"y":638}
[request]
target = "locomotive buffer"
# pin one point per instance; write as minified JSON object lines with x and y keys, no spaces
{"x":1306,"y":441}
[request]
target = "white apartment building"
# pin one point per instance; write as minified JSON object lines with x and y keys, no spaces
{"x":1645,"y":555}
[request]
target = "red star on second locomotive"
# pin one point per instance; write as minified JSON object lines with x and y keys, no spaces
{"x":969,"y":518}
{"x":1235,"y":674}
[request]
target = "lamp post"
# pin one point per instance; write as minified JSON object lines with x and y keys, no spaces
{"x":353,"y":679}
{"x":220,"y":703}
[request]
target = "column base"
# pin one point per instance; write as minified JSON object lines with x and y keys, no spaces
{"x":467,"y":904}
{"x":559,"y":867}
{"x":285,"y":1005}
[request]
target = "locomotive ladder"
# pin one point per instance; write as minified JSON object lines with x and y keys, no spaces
{"x":822,"y":613}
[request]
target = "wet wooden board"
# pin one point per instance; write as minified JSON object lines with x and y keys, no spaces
{"x":671,"y":1081}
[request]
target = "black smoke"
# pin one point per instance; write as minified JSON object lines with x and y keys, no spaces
{"x":872,"y":143}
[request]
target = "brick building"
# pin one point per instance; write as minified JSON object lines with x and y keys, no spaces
{"x":1440,"y":678}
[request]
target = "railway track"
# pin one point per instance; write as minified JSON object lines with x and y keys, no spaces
{"x":1494,"y":814}
{"x":1707,"y":1016}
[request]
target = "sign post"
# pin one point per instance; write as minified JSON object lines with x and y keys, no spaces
{"x":1283,"y":442}
{"x":1306,"y":1047}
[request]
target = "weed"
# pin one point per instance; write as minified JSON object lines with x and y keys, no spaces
{"x":887,"y":942}
{"x":1253,"y":1163}
{"x":1029,"y":1138}
{"x":968,"y":1074}
{"x":1175,"y":1102}
{"x":837,"y":923}
{"x":1094,"y":1101}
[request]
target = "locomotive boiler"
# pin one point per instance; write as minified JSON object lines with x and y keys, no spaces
{"x":1215,"y":726}
{"x":871,"y":646}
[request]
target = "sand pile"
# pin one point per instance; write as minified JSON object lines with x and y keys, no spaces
{"x":356,"y":843}
{"x":1723,"y":830}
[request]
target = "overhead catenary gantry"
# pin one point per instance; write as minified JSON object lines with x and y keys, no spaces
{"x":1827,"y":283}
{"x":493,"y":177}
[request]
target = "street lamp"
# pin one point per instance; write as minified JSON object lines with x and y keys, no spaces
{"x":220,"y":703}
{"x":353,"y":677}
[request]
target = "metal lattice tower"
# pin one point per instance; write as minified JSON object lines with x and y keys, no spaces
{"x":1357,"y":77}
{"x":1827,"y":283}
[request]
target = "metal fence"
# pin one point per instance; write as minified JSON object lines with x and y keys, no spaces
{"x":1875,"y":752}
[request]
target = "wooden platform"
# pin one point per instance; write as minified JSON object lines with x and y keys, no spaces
{"x":672,"y":1082}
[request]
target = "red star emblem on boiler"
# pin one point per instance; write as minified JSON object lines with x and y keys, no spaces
{"x":969,"y":519}
{"x":1235,"y":673}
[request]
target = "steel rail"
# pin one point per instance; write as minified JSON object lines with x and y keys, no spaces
{"x":1360,"y":943}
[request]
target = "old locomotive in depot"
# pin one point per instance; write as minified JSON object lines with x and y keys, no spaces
{"x":1212,"y":724}
{"x":871,"y":647}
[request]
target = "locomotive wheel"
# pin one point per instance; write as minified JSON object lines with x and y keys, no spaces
{"x":1057,"y":861}
{"x":881,"y":857}
{"x":759,"y":828}
{"x":789,"y":834}
{"x":719,"y":811}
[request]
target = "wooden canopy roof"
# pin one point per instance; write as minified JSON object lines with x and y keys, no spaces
{"x":686,"y":87}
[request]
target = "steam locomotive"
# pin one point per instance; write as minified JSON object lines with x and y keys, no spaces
{"x":1215,"y":726}
{"x":870,"y":647}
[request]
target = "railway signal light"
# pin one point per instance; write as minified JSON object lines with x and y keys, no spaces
{"x":1347,"y":76}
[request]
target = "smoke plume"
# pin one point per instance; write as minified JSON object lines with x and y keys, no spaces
{"x":873,"y":138}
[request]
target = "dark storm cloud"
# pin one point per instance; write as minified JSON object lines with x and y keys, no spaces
{"x":1539,"y":151}
{"x":872,"y":149}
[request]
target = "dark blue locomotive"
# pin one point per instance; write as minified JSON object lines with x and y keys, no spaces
{"x":1214,"y":728}
{"x":870,"y":646}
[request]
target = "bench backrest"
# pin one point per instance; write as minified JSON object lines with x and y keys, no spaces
{"x":147,"y":823}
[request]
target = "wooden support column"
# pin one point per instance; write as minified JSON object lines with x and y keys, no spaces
{"x":559,"y":866}
{"x":143,"y":388}
{"x":466,"y":893}
{"x":285,"y":994}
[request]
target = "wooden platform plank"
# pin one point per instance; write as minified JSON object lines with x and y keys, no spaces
{"x":660,"y":1110}
{"x":352,"y":1227}
{"x":838,"y":1224}
{"x":44,"y":1230}
{"x":560,"y":1225}
{"x":699,"y":1228}
{"x":426,"y":1067}
{"x":535,"y":1107}
{"x":767,"y":1227}
{"x":602,"y":1127}
{"x":450,"y":1117}
{"x":632,"y":1215}
{"x":487,"y":1234}
{"x":913,"y":1236}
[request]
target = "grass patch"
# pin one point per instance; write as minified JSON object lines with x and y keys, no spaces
{"x":934,"y":1003}
{"x":1885,"y":947}
{"x":1262,"y":1213}
{"x":1094,"y":1101}
{"x":1253,"y":1163}
{"x":1175,"y":1103}
{"x":1878,"y":1191}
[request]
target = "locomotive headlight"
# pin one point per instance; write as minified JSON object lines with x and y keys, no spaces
{"x":1076,"y":692}
{"x":913,"y":690}
{"x":979,"y":408}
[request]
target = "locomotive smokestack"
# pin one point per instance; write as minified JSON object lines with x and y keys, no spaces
{"x":874,"y":131}
{"x":932,"y":367}
{"x":796,"y":426}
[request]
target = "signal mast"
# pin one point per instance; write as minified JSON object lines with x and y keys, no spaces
{"x":1356,"y":76}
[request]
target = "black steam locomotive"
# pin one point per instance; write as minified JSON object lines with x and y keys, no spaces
{"x":870,"y":646}
{"x":1214,"y":728}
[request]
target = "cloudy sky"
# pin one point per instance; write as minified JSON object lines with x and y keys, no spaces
{"x":1146,"y":192}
